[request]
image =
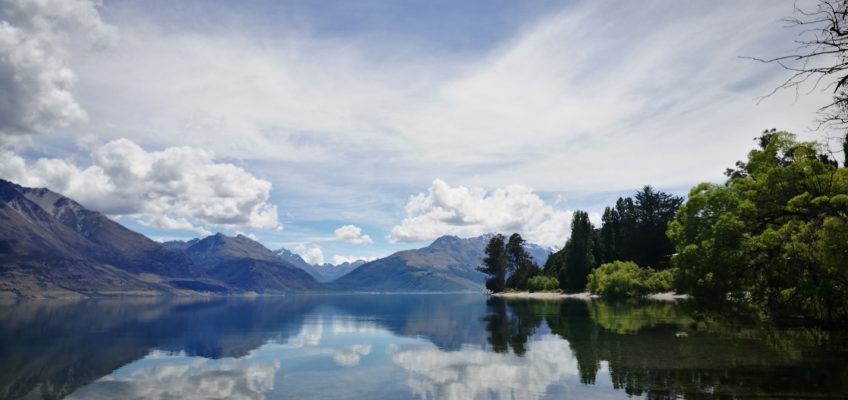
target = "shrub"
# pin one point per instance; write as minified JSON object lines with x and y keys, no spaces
{"x":626,"y":279}
{"x":661,"y":281}
{"x":541,"y":283}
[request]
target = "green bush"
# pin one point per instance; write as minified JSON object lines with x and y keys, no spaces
{"x":661,"y":281}
{"x":626,"y":279}
{"x":541,"y":283}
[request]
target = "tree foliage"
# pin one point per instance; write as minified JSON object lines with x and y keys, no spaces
{"x":508,"y":264}
{"x":542,"y":283}
{"x":495,"y":264}
{"x":821,"y":60}
{"x":573,"y":263}
{"x":634,"y":229}
{"x":625,"y":279}
{"x":522,"y":265}
{"x":774,"y":235}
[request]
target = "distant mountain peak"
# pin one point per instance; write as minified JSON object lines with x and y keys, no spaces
{"x":322,"y":273}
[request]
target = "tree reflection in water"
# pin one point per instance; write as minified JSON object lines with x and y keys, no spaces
{"x":667,"y":350}
{"x":437,"y":346}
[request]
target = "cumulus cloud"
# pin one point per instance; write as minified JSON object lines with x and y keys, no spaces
{"x":176,"y":188}
{"x":352,"y":234}
{"x":35,"y":79}
{"x":166,"y":376}
{"x":337,"y":259}
{"x":469,"y":373}
{"x":463,"y":211}
{"x":311,"y":253}
{"x":175,"y":224}
{"x":351,"y":355}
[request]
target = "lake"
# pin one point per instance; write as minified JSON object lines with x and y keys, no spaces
{"x":405,"y":346}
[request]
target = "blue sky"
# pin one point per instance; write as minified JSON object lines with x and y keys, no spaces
{"x":309,"y":125}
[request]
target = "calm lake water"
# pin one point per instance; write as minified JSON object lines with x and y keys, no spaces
{"x":399,"y":347}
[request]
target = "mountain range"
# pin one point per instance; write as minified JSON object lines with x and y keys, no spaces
{"x":448,"y":264}
{"x":321,"y":272}
{"x":51,"y":246}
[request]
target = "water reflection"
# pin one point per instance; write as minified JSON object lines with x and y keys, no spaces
{"x":478,"y":374}
{"x":453,"y":347}
{"x":665,"y":350}
{"x":177,"y":376}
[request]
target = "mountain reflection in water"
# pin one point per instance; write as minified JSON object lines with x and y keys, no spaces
{"x":404,"y":346}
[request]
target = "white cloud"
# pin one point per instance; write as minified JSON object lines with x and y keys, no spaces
{"x":566,"y":104}
{"x":578,"y":102}
{"x":474,"y":373}
{"x":35,"y":79}
{"x":352,"y":234}
{"x":176,"y":188}
{"x":167,"y":376}
{"x":174,"y":224}
{"x":311,"y":253}
{"x":462,"y":211}
{"x":337,"y":259}
{"x":248,"y":235}
{"x":351,"y":355}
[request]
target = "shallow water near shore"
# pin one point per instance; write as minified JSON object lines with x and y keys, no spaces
{"x":405,"y":346}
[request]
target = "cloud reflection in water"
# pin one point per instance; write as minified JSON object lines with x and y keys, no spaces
{"x":163,"y":375}
{"x":479,"y":374}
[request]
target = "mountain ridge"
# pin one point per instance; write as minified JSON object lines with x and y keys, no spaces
{"x":52,"y":246}
{"x":448,"y":264}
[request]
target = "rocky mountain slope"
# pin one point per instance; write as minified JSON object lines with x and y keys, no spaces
{"x":322,"y":273}
{"x":448,"y":264}
{"x":50,"y":245}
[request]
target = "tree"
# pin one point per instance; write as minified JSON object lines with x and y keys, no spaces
{"x":579,"y":260}
{"x":609,"y":235}
{"x":654,"y":210}
{"x":773,"y":236}
{"x":821,"y":59}
{"x":634,"y":230}
{"x":495,"y":264}
{"x":521,"y":263}
{"x":625,"y":279}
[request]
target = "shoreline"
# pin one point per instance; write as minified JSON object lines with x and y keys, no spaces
{"x":546,"y":295}
{"x":664,"y":296}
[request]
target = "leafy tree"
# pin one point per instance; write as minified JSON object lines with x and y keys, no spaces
{"x":541,"y":283}
{"x":578,"y":260}
{"x":554,"y":263}
{"x":774,"y":235}
{"x":634,"y":229}
{"x":626,"y":279}
{"x":820,"y":60}
{"x":508,"y":264}
{"x":654,"y":210}
{"x":609,"y":235}
{"x":496,"y":264}
{"x":521,"y":263}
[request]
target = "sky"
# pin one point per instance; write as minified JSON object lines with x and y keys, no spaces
{"x":349,"y":130}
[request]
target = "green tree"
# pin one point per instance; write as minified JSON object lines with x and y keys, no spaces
{"x":609,"y":235}
{"x":496,"y":264}
{"x":820,"y":60}
{"x":773,"y":236}
{"x":521,"y":263}
{"x":579,"y":260}
{"x":542,"y":283}
{"x":634,"y":229}
{"x":654,"y":210}
{"x":625,"y":279}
